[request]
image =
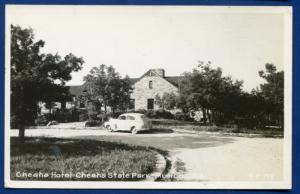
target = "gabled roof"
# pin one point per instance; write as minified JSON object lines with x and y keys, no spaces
{"x":175,"y":80}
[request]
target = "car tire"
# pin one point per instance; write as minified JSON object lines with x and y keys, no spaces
{"x":134,"y":130}
{"x":108,"y":127}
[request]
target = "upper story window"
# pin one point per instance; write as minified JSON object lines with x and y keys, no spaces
{"x":150,"y":84}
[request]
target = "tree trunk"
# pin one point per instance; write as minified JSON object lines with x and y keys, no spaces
{"x":22,"y":132}
{"x":281,"y":121}
{"x":204,"y":115}
{"x":208,"y":116}
{"x":213,"y":117}
{"x":63,"y":105}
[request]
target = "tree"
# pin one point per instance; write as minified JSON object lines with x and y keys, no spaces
{"x":207,"y":90}
{"x":103,"y":84}
{"x":166,"y":101}
{"x":36,"y":76}
{"x":273,"y":92}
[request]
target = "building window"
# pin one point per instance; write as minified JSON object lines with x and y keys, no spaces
{"x":150,"y":84}
{"x":150,"y":104}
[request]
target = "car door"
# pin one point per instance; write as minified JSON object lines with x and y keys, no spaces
{"x":121,"y":123}
{"x":130,"y":122}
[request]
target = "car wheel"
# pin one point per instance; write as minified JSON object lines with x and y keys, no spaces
{"x":134,"y":130}
{"x":109,"y":128}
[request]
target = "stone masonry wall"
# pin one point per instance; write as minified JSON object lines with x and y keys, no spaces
{"x":142,"y":92}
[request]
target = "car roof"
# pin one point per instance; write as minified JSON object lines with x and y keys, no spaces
{"x":132,"y":114}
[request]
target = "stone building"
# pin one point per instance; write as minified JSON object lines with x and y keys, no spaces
{"x":145,"y":88}
{"x":152,"y":83}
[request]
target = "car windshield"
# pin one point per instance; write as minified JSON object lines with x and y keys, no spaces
{"x":130,"y":117}
{"x":122,"y":117}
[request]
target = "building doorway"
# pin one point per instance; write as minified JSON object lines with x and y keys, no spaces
{"x":150,"y":104}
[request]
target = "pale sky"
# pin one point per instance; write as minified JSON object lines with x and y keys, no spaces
{"x":135,"y":39}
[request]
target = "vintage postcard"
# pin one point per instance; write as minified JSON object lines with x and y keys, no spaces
{"x":148,"y":97}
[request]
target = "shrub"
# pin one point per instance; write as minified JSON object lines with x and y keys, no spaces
{"x":150,"y":113}
{"x":41,"y":120}
{"x":14,"y":122}
{"x":63,"y":116}
{"x":93,"y":116}
{"x":52,"y":123}
{"x":115,"y":114}
{"x":142,"y":111}
{"x":159,"y":114}
{"x":83,"y":115}
{"x":164,"y":114}
{"x":103,"y":117}
{"x":93,"y":123}
{"x":183,"y":116}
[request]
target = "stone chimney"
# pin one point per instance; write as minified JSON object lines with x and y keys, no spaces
{"x":160,"y":72}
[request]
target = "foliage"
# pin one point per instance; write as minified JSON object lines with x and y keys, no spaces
{"x":60,"y":115}
{"x":206,"y":89}
{"x":93,"y":123}
{"x":115,"y":114}
{"x":222,"y":100}
{"x":166,"y":101}
{"x":41,"y":120}
{"x":76,"y":156}
{"x":273,"y":92}
{"x":83,"y":115}
{"x":36,"y":76}
{"x":105,"y":85}
{"x":142,"y":111}
{"x":181,"y":116}
{"x":159,"y":114}
{"x":229,"y":129}
{"x":104,"y":117}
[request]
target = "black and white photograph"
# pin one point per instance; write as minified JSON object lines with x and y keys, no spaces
{"x":148,"y":97}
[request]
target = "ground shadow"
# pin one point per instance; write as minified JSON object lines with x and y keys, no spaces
{"x":166,"y":140}
{"x":157,"y":131}
{"x":152,"y":131}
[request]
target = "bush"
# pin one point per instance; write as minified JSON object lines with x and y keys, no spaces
{"x":164,"y":114}
{"x":159,"y":114}
{"x":63,"y":116}
{"x":142,"y":111}
{"x":41,"y":120}
{"x":83,"y":115}
{"x":52,"y":123}
{"x":103,"y":117}
{"x":115,"y":114}
{"x":14,"y":123}
{"x":183,"y":116}
{"x":93,"y":116}
{"x":93,"y":123}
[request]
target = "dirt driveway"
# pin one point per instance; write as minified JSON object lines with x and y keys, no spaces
{"x":197,"y":156}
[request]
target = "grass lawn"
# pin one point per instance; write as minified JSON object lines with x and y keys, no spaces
{"x":194,"y":126}
{"x":56,"y":159}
